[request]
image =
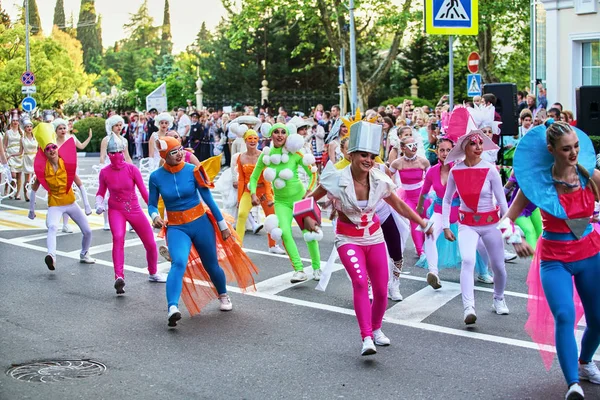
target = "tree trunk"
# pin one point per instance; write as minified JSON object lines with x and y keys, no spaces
{"x":485,"y":47}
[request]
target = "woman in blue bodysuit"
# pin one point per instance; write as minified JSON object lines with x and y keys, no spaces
{"x":556,"y":167}
{"x":192,"y":227}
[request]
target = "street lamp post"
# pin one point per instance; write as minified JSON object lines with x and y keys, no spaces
{"x":353,"y":87}
{"x":27,"y":63}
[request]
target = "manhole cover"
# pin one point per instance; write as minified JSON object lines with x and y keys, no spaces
{"x":56,"y":370}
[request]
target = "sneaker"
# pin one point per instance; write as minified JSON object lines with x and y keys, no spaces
{"x":501,"y":309}
{"x":394,"y":289}
{"x":106,"y":227}
{"x":380,"y":338}
{"x":164,"y":252}
{"x":257,"y":229}
{"x":487,"y":278}
{"x":225,"y":303}
{"x":119,"y":285}
{"x":433,"y":280}
{"x":86,"y":259}
{"x":470,"y":316}
{"x":276,"y":250}
{"x":368,"y":347}
{"x":575,"y":392}
{"x":50,"y":262}
{"x":298,"y":276}
{"x":508,"y":256}
{"x":422,"y":259}
{"x":590,"y":372}
{"x":317,"y":275}
{"x":174,"y":315}
{"x":157,"y":278}
{"x":67,"y":229}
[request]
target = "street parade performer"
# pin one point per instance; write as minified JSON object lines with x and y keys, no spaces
{"x":279,"y":164}
{"x":121,"y":178}
{"x":356,"y":192}
{"x":558,"y":165}
{"x":196,"y":228}
{"x":55,"y":169}
{"x":482,"y":202}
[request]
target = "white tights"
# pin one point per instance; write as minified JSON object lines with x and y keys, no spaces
{"x":53,"y":218}
{"x":468,"y":238}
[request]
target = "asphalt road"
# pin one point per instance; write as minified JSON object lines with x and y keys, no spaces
{"x":282,"y":342}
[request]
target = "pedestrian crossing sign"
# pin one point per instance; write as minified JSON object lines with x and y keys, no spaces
{"x":473,"y":85}
{"x":451,"y":17}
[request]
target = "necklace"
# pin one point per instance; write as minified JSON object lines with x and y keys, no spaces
{"x":362,"y":183}
{"x":566,"y":184}
{"x":413,"y":158}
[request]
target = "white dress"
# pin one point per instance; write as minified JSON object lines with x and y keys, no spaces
{"x":29,"y":151}
{"x":14,"y":146}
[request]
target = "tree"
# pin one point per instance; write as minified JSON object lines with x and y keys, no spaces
{"x":166,"y":44}
{"x":141,"y":31}
{"x":87,"y":34}
{"x":378,"y":34}
{"x":59,"y":15}
{"x":4,"y":17}
{"x":34,"y":18}
{"x":57,"y":76}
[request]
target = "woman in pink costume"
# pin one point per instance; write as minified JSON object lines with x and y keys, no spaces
{"x":412,"y":168}
{"x":356,"y":191}
{"x":121,"y":179}
{"x":482,"y":202}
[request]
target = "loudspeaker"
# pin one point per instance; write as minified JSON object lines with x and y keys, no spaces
{"x":506,"y":106}
{"x":588,"y":109}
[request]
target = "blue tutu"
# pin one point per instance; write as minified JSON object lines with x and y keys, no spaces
{"x":448,"y":252}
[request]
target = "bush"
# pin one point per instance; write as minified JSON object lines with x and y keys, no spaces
{"x":596,"y":142}
{"x":396,"y":101}
{"x":81,"y":129}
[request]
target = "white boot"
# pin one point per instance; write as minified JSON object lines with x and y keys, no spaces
{"x":394,"y":282}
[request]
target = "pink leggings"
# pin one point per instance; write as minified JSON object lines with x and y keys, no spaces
{"x":137,"y":220}
{"x":354,"y":258}
{"x":411,"y":197}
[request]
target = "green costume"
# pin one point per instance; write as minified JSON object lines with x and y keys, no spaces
{"x":287,"y":189}
{"x":531,"y":226}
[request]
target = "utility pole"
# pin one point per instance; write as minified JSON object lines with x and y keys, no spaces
{"x":27,"y":36}
{"x":353,"y":87}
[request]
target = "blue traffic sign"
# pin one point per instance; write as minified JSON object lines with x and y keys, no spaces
{"x":473,"y":85}
{"x":28,"y":78}
{"x":451,"y":17}
{"x":29,"y":104}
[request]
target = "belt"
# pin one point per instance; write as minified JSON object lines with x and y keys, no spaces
{"x":478,"y":218}
{"x":185,"y":217}
{"x":346,"y":229}
{"x":556,"y":236}
{"x":412,"y":186}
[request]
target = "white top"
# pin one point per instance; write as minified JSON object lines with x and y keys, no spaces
{"x":340,"y":187}
{"x":182,"y":124}
{"x":492,"y":192}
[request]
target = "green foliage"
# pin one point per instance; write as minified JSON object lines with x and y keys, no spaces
{"x":166,"y":45}
{"x":59,"y":15}
{"x":596,"y":142}
{"x":106,"y":80}
{"x":4,"y":17}
{"x":418,"y":102}
{"x":82,"y":127}
{"x":87,"y":34}
{"x":34,"y":18}
{"x":117,"y":100}
{"x":57,"y":76}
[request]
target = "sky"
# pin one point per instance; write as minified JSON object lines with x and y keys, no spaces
{"x":186,"y":16}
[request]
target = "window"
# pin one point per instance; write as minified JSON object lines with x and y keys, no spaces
{"x":591,"y":62}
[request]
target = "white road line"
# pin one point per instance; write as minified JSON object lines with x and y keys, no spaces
{"x":339,"y":310}
{"x":280,"y":283}
{"x":418,"y":306}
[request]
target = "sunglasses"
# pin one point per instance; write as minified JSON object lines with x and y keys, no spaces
{"x":411,"y":146}
{"x":51,"y":147}
{"x":176,"y":151}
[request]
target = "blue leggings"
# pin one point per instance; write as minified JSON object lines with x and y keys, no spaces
{"x":558,"y":287}
{"x":180,"y":238}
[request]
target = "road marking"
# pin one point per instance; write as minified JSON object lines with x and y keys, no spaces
{"x":420,"y":305}
{"x":340,"y":310}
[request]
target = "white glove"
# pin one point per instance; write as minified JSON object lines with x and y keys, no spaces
{"x":86,"y":203}
{"x":99,"y":205}
{"x":31,"y":214}
{"x":511,"y":233}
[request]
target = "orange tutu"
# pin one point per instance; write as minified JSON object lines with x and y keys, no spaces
{"x":198,"y":290}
